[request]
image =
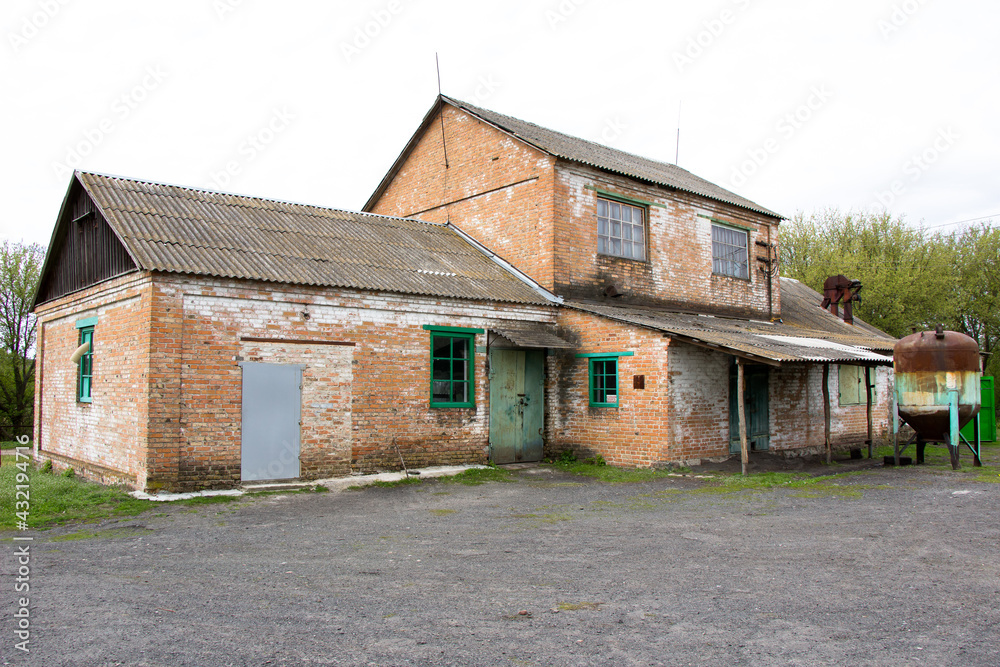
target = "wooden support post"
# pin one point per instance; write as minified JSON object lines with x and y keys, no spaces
{"x":744,"y":455}
{"x":826,"y":412}
{"x":868,"y":391}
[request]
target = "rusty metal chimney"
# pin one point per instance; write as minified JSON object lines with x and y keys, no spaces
{"x":841,"y":289}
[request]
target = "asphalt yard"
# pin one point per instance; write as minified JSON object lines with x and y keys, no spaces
{"x":877,"y":566}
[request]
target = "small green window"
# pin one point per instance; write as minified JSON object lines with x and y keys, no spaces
{"x":604,"y":382}
{"x":452,"y":370}
{"x":85,"y":370}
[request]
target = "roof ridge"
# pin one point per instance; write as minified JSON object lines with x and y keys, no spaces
{"x":252,"y":197}
{"x":573,"y":137}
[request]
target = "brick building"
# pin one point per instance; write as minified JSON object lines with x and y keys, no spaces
{"x":535,"y":292}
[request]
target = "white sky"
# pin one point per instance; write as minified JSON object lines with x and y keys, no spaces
{"x":837,"y":102}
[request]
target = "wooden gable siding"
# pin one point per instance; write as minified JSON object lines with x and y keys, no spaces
{"x":84,"y":252}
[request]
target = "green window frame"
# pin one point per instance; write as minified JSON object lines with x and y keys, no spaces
{"x":85,"y":368}
{"x":603,"y":387}
{"x":452,"y":376}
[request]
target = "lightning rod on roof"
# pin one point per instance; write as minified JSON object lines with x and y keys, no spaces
{"x":677,"y":144}
{"x":444,"y":144}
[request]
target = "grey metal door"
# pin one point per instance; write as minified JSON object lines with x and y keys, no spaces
{"x":272,"y":409}
{"x":517,"y":409}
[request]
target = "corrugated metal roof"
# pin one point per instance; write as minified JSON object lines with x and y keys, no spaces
{"x":185,"y":230}
{"x":534,"y":336}
{"x":610,"y":159}
{"x":762,"y":341}
{"x":800,"y":307}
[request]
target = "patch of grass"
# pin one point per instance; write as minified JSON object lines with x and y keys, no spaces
{"x":11,"y":444}
{"x":208,"y":500}
{"x":578,"y":606}
{"x":610,"y":474}
{"x":398,"y":482}
{"x":56,"y":500}
{"x":128,"y":531}
{"x":443,"y":512}
{"x":475,"y":476}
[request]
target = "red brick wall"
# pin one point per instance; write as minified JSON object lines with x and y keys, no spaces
{"x":679,"y":267}
{"x":797,"y":420}
{"x":104,"y":435}
{"x":495,"y":188}
{"x":633,"y":434}
{"x":355,"y":398}
{"x":699,"y":403}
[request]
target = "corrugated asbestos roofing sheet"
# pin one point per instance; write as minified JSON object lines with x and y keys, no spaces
{"x":534,"y":337}
{"x":610,"y":159}
{"x":765,"y":341}
{"x":184,"y":230}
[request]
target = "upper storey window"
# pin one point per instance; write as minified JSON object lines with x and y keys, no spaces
{"x":729,"y":252}
{"x":621,"y":229}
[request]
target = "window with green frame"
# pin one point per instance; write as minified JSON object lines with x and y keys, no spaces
{"x":452,"y":381}
{"x":85,"y":369}
{"x":604,"y":382}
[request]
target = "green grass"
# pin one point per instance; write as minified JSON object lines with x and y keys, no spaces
{"x":56,"y":500}
{"x":398,"y":482}
{"x":610,"y":474}
{"x":937,"y":457}
{"x":12,"y":444}
{"x":476,"y":476}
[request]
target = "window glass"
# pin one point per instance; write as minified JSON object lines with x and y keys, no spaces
{"x":85,"y":370}
{"x":620,"y":229}
{"x":729,"y":252}
{"x":604,"y":382}
{"x":451,"y":370}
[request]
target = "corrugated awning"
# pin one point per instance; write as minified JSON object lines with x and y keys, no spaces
{"x":762,"y":342}
{"x":535,"y":337}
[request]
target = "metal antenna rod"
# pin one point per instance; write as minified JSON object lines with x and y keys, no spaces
{"x":677,"y":150}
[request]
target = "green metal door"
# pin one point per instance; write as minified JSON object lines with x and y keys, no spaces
{"x":755,"y":399}
{"x":517,"y":379}
{"x":987,"y":414}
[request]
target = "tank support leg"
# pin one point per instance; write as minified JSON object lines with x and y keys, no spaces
{"x":920,"y":450}
{"x":953,"y":432}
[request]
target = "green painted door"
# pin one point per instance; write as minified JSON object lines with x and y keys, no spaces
{"x":755,"y":399}
{"x":987,"y":414}
{"x":517,"y":410}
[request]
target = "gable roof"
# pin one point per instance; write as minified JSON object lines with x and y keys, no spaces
{"x":178,"y":229}
{"x":579,"y":150}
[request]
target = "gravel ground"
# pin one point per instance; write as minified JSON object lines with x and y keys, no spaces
{"x":882,"y":567}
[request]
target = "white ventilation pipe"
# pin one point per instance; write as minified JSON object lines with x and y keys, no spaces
{"x":80,"y":351}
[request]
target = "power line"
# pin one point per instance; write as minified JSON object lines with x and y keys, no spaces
{"x":958,"y":222}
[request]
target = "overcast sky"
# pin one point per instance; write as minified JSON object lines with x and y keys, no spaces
{"x":797,"y":105}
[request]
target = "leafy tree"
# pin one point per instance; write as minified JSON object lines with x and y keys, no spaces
{"x":908,"y":276}
{"x":20,"y":266}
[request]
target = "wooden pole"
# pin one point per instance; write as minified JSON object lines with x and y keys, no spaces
{"x":868,"y":393}
{"x":826,"y":412}
{"x":744,"y":455}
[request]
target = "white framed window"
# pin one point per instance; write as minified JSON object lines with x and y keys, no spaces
{"x":729,"y":252}
{"x":621,"y":229}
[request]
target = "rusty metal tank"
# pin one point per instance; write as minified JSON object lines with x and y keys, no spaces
{"x":929,"y":366}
